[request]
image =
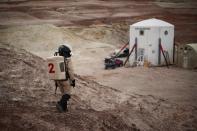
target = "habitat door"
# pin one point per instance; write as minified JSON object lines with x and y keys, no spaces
{"x":142,"y":42}
{"x":139,"y":35}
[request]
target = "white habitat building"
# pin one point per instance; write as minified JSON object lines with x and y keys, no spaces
{"x":148,"y":34}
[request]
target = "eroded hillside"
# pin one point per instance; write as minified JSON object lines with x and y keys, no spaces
{"x":28,"y":102}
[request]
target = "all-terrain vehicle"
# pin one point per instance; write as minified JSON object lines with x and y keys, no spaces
{"x":113,"y":63}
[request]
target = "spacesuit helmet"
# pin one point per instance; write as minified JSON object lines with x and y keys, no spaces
{"x":65,"y":51}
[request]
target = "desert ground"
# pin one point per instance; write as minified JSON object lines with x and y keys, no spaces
{"x":125,"y":98}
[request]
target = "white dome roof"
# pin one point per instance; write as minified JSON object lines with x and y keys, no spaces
{"x":153,"y":23}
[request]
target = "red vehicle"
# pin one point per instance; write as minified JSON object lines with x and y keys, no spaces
{"x":113,"y":63}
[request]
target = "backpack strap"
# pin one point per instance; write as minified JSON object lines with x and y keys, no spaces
{"x":66,"y":70}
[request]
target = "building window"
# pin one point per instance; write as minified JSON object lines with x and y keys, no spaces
{"x":166,"y":32}
{"x":141,"y":32}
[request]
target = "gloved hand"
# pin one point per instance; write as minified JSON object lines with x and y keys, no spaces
{"x":72,"y":83}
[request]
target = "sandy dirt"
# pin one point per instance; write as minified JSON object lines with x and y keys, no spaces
{"x":27,"y":102}
{"x":128,"y":98}
{"x":125,"y":98}
{"x":181,"y":13}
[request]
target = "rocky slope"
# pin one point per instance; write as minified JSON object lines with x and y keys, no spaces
{"x":27,"y":99}
{"x":27,"y":102}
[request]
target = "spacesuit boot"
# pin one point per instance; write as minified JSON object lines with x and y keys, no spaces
{"x":62,"y":104}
